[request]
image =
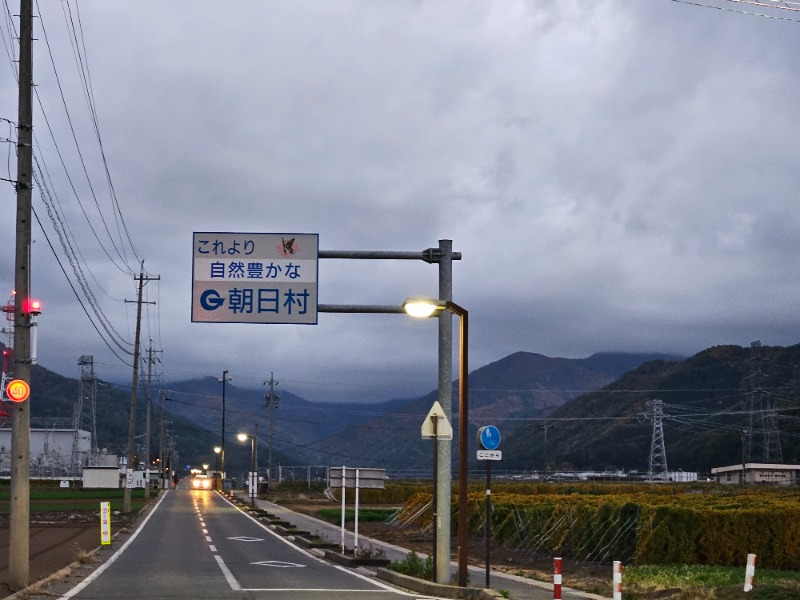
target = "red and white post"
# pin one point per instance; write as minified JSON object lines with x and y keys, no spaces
{"x":617,"y":580}
{"x":556,"y":579}
{"x":750,"y":572}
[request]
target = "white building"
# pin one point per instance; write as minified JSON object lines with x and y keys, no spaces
{"x":764,"y":473}
{"x":51,"y":450}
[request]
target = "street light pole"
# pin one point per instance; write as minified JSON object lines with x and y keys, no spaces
{"x":217,"y":481}
{"x":253,"y":485}
{"x":463,"y":405}
{"x":427,"y":308}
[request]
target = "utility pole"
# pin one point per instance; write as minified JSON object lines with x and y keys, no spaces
{"x":126,"y":504}
{"x":225,"y":378}
{"x":161,"y":453}
{"x":272,"y":401}
{"x":147,"y":435}
{"x":19,"y":526}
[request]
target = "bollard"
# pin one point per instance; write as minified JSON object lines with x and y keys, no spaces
{"x":617,"y":581}
{"x":556,"y":579}
{"x":750,"y":572}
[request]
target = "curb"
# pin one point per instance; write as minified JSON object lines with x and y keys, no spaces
{"x":430,"y":588}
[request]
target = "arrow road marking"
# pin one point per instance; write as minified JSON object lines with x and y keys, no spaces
{"x":244,"y":538}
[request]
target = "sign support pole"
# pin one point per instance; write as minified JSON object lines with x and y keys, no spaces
{"x":488,"y":526}
{"x":435,"y":420}
{"x":355,"y":527}
{"x":344,"y":491}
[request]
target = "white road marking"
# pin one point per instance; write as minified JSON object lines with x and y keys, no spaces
{"x":278,"y":563}
{"x":227,"y":573}
{"x":245,"y":538}
{"x":97,"y":572}
{"x":329,"y":590}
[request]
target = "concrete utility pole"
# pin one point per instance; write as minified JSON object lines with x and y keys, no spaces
{"x":126,"y":504}
{"x":272,"y":401}
{"x":224,"y":379}
{"x":19,"y":526}
{"x":161,"y":452}
{"x":147,"y":435}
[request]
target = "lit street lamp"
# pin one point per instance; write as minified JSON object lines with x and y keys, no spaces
{"x":253,"y":485}
{"x":424,"y":307}
{"x":217,"y":478}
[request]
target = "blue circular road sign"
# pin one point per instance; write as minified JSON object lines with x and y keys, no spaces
{"x":489,"y":437}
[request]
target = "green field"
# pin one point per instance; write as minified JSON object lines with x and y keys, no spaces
{"x":47,"y":499}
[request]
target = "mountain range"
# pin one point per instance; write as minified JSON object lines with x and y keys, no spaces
{"x":553,"y":413}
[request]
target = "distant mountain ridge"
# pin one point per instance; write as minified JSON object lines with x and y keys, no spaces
{"x":507,"y":392}
{"x":708,"y":401}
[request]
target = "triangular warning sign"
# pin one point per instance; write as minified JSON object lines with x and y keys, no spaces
{"x":444,"y":431}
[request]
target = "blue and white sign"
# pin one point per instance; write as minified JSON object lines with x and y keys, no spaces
{"x":490,"y":455}
{"x":489,"y":437}
{"x":255,"y":278}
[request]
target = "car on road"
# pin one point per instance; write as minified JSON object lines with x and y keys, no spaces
{"x":201,"y":482}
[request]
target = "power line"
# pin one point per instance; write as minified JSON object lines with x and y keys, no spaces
{"x":738,"y":11}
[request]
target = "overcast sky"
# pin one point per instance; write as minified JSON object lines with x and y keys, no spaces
{"x":618,"y":176}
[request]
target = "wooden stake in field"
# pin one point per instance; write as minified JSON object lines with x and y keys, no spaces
{"x":617,"y":580}
{"x":750,"y":572}
{"x":556,"y":579}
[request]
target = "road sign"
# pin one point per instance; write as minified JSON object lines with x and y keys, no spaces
{"x":18,"y":390}
{"x":444,"y":430}
{"x":489,"y":437}
{"x":490,"y":455}
{"x":255,"y":278}
{"x":105,"y":523}
{"x":368,"y":479}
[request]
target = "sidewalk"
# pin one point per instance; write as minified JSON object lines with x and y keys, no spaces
{"x":519,"y":588}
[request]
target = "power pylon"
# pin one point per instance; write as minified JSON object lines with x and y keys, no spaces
{"x":658,"y":452}
{"x":272,"y":401}
{"x":763,"y":421}
{"x":84,"y":417}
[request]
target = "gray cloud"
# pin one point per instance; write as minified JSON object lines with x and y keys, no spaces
{"x":618,"y":176}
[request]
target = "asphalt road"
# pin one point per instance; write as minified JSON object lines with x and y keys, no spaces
{"x":198,"y":545}
{"x":195,"y":544}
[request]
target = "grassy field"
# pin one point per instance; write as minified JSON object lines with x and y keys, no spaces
{"x":642,"y":582}
{"x":44,"y":499}
{"x":365,"y":515}
{"x":697,"y":582}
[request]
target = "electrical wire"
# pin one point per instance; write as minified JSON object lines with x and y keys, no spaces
{"x":738,"y":11}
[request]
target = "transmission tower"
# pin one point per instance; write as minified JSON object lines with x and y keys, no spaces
{"x":763,"y":421}
{"x":658,"y":453}
{"x":272,"y":401}
{"x":85,"y":413}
